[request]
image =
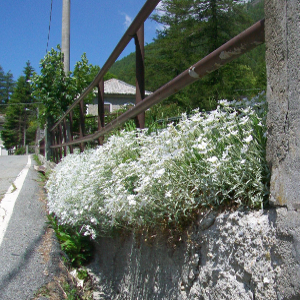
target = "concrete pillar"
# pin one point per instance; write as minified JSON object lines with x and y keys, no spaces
{"x":65,"y":34}
{"x":283,"y":96}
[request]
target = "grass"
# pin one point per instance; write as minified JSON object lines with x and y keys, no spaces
{"x":37,"y":160}
{"x":14,"y":187}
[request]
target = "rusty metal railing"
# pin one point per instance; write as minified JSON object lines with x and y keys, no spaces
{"x":242,"y":43}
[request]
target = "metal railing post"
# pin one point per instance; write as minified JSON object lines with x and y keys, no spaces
{"x":101,"y":121}
{"x":64,"y":132}
{"x":59,"y":138}
{"x":140,"y":74}
{"x":55,"y":142}
{"x":71,"y":130}
{"x":81,"y":126}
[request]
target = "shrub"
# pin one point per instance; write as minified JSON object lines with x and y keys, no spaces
{"x":77,"y":247}
{"x":20,"y":151}
{"x":207,"y":160}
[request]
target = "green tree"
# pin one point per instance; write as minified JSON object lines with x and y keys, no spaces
{"x":83,"y":75}
{"x":191,"y":29}
{"x":194,"y":28}
{"x":256,"y":58}
{"x":125,"y":69}
{"x":53,"y":87}
{"x":2,"y":86}
{"x":20,"y":122}
{"x":6,"y":88}
{"x":57,"y":90}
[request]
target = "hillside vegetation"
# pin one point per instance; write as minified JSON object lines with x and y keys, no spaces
{"x":191,"y":30}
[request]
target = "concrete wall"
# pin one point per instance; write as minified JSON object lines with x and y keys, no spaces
{"x":229,"y":256}
{"x":283,"y":93}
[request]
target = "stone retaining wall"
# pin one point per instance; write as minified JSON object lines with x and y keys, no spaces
{"x":230,"y":256}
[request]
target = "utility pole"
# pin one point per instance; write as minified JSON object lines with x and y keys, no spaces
{"x":65,"y":34}
{"x":65,"y":49}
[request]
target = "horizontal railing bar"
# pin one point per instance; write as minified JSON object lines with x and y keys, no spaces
{"x":142,"y":16}
{"x":237,"y":46}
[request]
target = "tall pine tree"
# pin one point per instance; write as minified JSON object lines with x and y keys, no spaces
{"x":20,"y":113}
{"x":6,"y":88}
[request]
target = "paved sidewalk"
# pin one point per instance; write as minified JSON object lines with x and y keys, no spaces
{"x":29,"y":254}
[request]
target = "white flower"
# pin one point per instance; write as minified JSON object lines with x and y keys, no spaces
{"x":212,"y":159}
{"x":159,"y":173}
{"x":235,"y":132}
{"x":244,"y":149}
{"x":248,"y":139}
{"x":131,"y":200}
{"x":223,"y":102}
{"x":168,"y":194}
{"x":244,"y":120}
{"x":225,"y":154}
{"x":202,"y":146}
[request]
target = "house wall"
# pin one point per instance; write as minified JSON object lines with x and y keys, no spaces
{"x":120,"y":100}
{"x":116,"y":102}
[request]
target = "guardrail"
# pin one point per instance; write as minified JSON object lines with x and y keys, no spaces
{"x":242,"y":43}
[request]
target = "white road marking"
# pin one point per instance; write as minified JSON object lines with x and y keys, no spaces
{"x":8,"y":202}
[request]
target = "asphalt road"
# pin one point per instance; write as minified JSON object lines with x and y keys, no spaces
{"x":23,"y":267}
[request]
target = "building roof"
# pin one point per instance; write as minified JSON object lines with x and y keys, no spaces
{"x":118,"y":87}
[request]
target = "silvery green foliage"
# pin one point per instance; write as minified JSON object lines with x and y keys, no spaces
{"x":208,"y":159}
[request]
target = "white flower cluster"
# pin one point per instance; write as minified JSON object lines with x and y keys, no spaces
{"x":141,"y":179}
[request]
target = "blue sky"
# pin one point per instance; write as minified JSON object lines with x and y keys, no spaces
{"x":96,"y":28}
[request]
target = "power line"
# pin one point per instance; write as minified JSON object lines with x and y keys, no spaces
{"x":49,"y":27}
{"x":7,"y":104}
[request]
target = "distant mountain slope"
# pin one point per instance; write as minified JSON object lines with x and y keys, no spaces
{"x":124,"y":69}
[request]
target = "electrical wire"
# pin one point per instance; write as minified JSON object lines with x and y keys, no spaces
{"x":8,"y":104}
{"x":49,"y":26}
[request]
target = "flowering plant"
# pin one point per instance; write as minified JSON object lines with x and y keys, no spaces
{"x":143,"y":179}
